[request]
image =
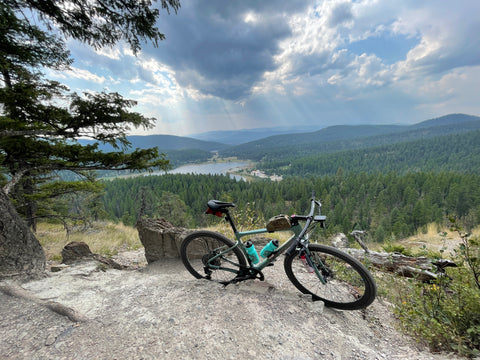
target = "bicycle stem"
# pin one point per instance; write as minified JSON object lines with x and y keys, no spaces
{"x":309,"y":219}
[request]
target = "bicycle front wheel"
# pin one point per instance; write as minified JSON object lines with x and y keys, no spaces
{"x":212,"y":256}
{"x":348,"y":284}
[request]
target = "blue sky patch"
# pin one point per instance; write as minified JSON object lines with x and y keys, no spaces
{"x":388,"y":48}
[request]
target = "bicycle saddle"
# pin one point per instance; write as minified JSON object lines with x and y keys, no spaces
{"x":217,"y":205}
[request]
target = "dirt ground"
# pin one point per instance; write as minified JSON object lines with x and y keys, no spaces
{"x":160,"y":311}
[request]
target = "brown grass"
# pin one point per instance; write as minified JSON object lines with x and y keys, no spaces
{"x":435,"y":239}
{"x":108,"y":239}
{"x":103,"y":238}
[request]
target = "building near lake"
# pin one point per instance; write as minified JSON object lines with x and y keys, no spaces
{"x":262,"y":175}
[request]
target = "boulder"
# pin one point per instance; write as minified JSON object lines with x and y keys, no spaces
{"x":78,"y":250}
{"x":160,"y":238}
{"x":75,"y":250}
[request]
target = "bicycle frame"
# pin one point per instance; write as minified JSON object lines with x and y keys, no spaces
{"x":347,"y":283}
{"x":281,"y":249}
{"x":298,"y":237}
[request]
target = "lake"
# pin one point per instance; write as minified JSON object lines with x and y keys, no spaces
{"x":210,"y":168}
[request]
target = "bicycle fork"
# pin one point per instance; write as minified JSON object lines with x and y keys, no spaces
{"x":311,"y":266}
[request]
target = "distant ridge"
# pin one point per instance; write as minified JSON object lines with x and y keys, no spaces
{"x":167,"y":142}
{"x":452,"y":119}
{"x":333,"y":138}
{"x":172,"y":142}
{"x":344,"y":137}
{"x":237,"y":137}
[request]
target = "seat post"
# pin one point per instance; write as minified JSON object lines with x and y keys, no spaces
{"x":230,"y":221}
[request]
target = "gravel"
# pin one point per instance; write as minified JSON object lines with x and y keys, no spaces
{"x":160,"y":311}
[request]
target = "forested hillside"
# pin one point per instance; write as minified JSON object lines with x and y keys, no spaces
{"x":458,"y":153}
{"x":275,"y":152}
{"x":340,"y":138}
{"x":383,"y":204}
{"x":389,"y":180}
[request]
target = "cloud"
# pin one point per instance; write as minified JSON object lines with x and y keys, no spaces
{"x":449,"y":38}
{"x":261,"y":63}
{"x":84,"y":75}
{"x":224,"y":50}
{"x":339,"y":13}
{"x":321,"y":51}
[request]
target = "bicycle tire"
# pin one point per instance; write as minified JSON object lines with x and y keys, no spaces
{"x":200,"y":246}
{"x":349,"y":285}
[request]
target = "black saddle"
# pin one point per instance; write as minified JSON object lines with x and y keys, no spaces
{"x":218,"y":206}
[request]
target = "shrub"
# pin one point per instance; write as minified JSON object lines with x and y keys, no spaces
{"x":396,"y":248}
{"x":445,"y":314}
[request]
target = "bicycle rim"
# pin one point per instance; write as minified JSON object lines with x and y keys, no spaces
{"x":348,"y":284}
{"x":203,"y":254}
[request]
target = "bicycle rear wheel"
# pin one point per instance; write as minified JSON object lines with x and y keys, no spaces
{"x":349,"y":285}
{"x":200,"y":255}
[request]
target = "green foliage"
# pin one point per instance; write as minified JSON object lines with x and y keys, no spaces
{"x":456,"y":152}
{"x":445,"y":314}
{"x":41,"y":122}
{"x":388,"y":206}
{"x":100,"y":23}
{"x":165,"y":205}
{"x":396,"y":248}
{"x":248,"y":217}
{"x":172,"y":208}
{"x":468,"y":251}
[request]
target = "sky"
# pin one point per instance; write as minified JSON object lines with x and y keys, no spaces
{"x":229,"y":65}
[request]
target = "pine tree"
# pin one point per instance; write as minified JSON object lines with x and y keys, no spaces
{"x":38,"y":136}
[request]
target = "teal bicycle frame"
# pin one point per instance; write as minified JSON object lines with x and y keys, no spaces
{"x":298,"y":237}
{"x":282,"y":248}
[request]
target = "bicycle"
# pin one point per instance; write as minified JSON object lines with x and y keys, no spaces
{"x":324,"y":272}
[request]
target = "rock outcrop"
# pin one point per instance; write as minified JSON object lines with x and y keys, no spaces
{"x":20,"y":252}
{"x":160,"y":238}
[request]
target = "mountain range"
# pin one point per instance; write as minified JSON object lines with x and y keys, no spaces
{"x":275,"y":144}
{"x":345,"y":137}
{"x":237,"y":137}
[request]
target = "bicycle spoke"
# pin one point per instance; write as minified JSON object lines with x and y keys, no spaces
{"x":348,"y":284}
{"x":212,"y":256}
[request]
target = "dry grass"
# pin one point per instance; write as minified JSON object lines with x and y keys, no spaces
{"x":103,"y":238}
{"x":435,"y":239}
{"x":109,"y":239}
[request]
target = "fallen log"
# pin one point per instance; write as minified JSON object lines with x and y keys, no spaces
{"x":420,"y":268}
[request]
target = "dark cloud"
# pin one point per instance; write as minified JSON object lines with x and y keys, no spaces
{"x":340,"y":14}
{"x":213,"y":49}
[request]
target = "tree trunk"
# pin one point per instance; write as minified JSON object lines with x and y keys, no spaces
{"x":420,"y":268}
{"x":20,"y":251}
